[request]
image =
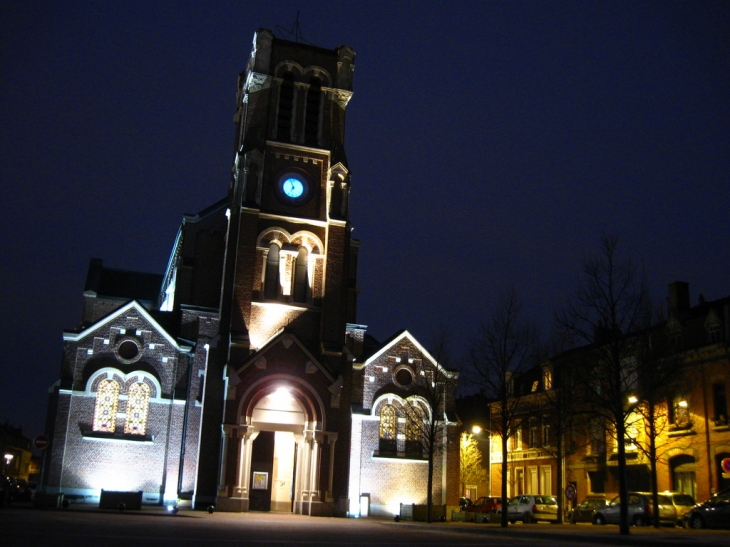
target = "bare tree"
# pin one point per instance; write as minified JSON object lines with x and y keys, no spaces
{"x":504,"y":347}
{"x":429,"y":427}
{"x":610,"y":304}
{"x":471,"y":468}
{"x":661,"y":379}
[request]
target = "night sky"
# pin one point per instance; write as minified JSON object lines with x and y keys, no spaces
{"x":491,"y":145}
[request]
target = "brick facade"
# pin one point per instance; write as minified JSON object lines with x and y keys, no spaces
{"x":253,"y":393}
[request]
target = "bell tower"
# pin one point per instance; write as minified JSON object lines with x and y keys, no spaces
{"x":290,"y":258}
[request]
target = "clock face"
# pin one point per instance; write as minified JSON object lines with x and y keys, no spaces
{"x":293,"y":187}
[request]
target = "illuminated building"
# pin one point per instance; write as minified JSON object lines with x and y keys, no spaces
{"x":690,"y":415}
{"x":231,"y":379}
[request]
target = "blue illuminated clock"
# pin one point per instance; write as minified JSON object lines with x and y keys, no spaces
{"x":293,"y":187}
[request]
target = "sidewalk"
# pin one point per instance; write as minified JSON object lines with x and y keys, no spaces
{"x":585,"y":533}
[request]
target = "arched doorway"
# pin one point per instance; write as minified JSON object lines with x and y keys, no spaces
{"x":278,"y":450}
{"x":684,"y":474}
{"x":276,"y":420}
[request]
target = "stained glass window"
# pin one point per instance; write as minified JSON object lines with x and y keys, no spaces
{"x":107,"y":400}
{"x":413,"y":424}
{"x":137,"y":407}
{"x":387,"y":422}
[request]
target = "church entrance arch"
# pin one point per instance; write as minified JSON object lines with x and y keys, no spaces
{"x":279,"y":449}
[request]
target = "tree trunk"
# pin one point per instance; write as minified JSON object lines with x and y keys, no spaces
{"x":561,"y":490}
{"x":429,"y":493}
{"x":503,"y":523}
{"x":622,"y":486}
{"x":652,"y":463}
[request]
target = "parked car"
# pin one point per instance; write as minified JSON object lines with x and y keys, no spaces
{"x":640,"y":510}
{"x":713,"y":513}
{"x":464,"y":504}
{"x":531,"y":508}
{"x":486,"y":504}
{"x":682,"y":504}
{"x":583,"y":512}
{"x":22,"y":490}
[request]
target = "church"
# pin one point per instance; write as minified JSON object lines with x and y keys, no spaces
{"x":239,"y":378}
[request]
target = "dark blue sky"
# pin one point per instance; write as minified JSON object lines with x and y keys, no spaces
{"x":492,"y":143}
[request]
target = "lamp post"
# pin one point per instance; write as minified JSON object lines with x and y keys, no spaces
{"x":8,"y":459}
{"x":477,"y":430}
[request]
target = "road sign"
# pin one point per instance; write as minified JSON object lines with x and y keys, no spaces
{"x":726,"y":465}
{"x":570,"y":492}
{"x":41,"y":442}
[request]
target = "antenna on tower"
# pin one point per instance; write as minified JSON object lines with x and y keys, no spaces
{"x":295,"y":33}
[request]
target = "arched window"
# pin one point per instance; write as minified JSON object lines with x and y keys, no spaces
{"x":387,"y":430}
{"x":271,"y":283}
{"x":311,"y":124}
{"x":414,"y":431}
{"x":105,"y":411}
{"x":683,"y":474}
{"x":286,"y":108}
{"x":137,"y":409}
{"x":301,"y":277}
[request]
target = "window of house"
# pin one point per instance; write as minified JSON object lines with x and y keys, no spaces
{"x":414,"y":428}
{"x":301,"y":277}
{"x":598,"y":437}
{"x":518,"y":438}
{"x":533,"y":434}
{"x":286,"y":108}
{"x":719,"y":400}
{"x":631,"y":431}
{"x":714,"y":333}
{"x":271,"y":283}
{"x":679,"y":416}
{"x":137,"y":409}
{"x":388,"y":443}
{"x":545,"y":434}
{"x":105,"y":411}
{"x":547,"y":379}
{"x":683,"y":474}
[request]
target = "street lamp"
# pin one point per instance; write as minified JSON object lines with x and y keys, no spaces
{"x":8,"y":459}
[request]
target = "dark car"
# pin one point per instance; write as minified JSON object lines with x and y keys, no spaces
{"x":713,"y":513}
{"x":583,"y":512}
{"x":640,"y":510}
{"x":464,"y":504}
{"x":486,"y":504}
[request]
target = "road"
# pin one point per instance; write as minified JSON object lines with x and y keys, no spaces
{"x":24,"y":527}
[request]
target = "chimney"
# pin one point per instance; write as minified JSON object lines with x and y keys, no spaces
{"x":679,"y":297}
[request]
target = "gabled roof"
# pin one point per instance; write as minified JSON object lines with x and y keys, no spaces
{"x":397,"y":338}
{"x":273,"y":341}
{"x":132,"y":305}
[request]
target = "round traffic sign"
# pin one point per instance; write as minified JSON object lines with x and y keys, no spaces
{"x":726,"y":465}
{"x":41,"y":442}
{"x":570,"y":492}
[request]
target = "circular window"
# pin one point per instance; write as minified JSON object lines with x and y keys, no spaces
{"x":293,"y":187}
{"x":128,"y":350}
{"x":403,"y":377}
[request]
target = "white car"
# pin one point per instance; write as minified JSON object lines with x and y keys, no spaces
{"x":532,"y":508}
